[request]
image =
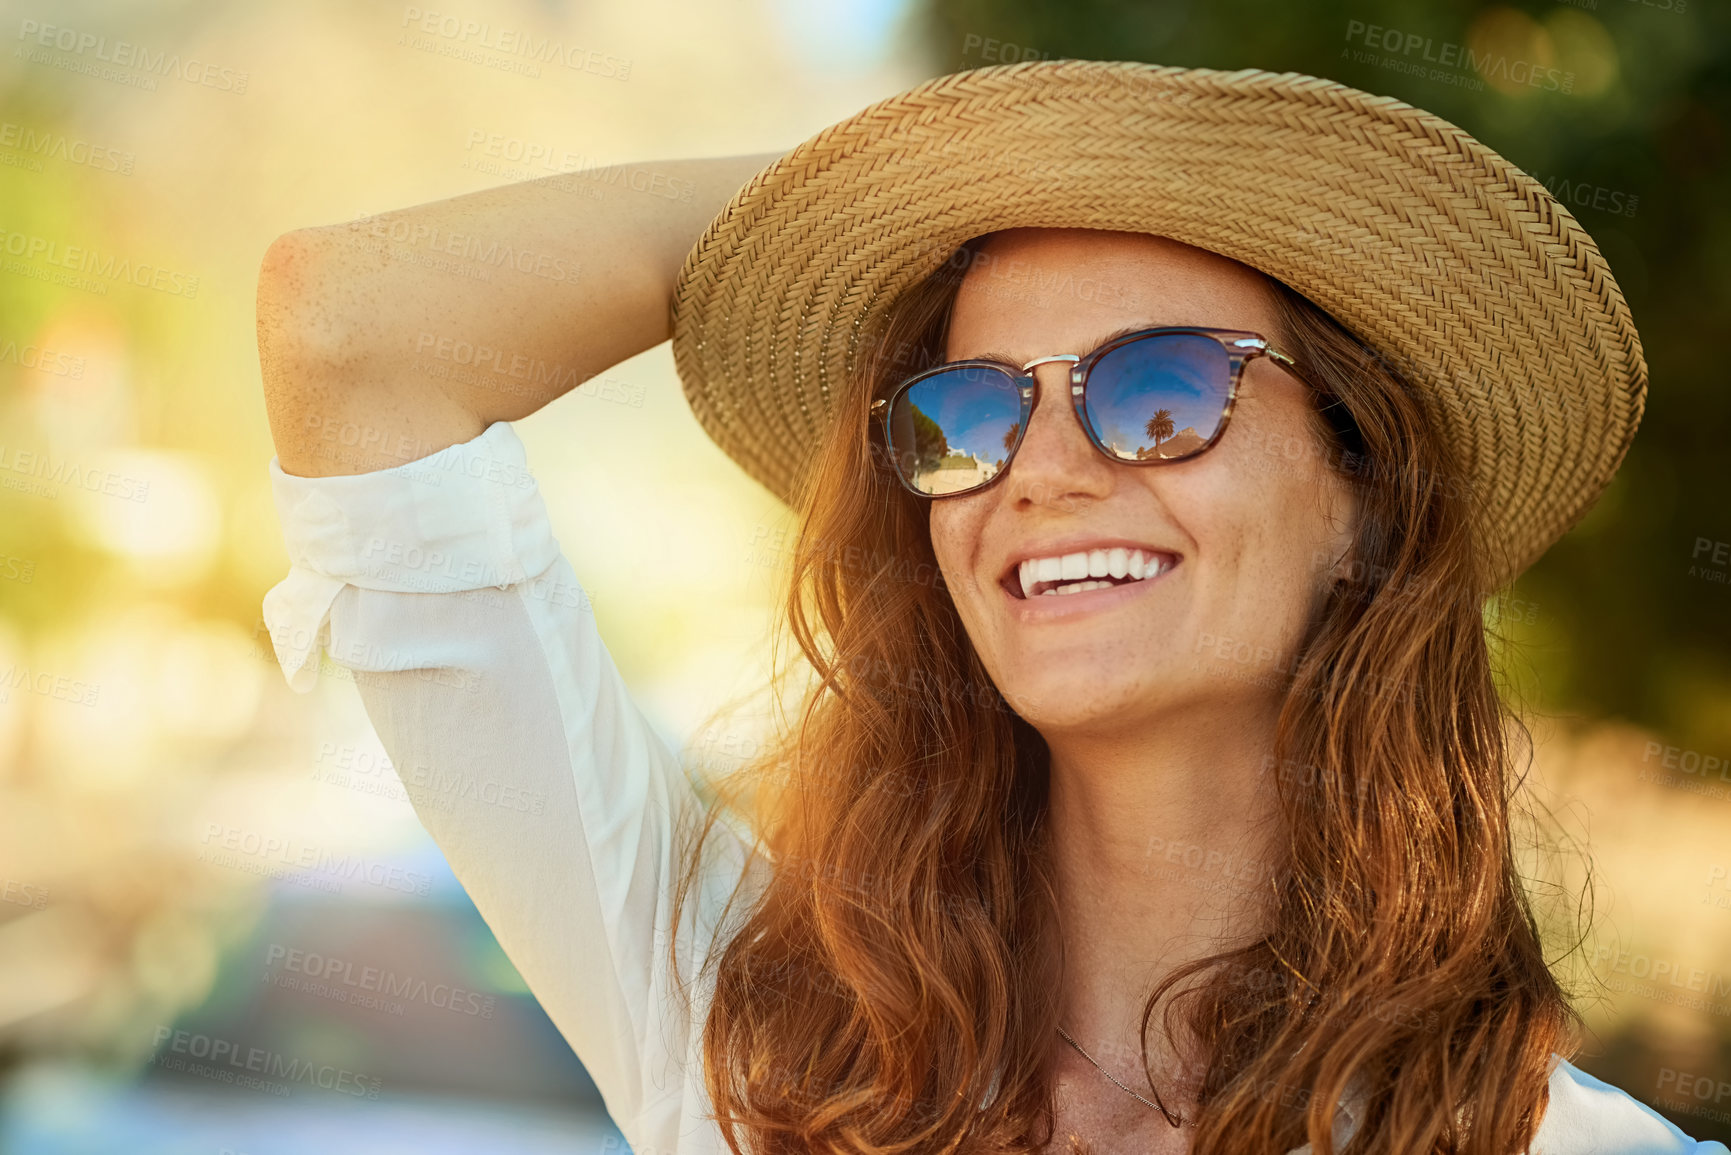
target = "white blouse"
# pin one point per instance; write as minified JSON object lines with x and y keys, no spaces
{"x":440,"y":585}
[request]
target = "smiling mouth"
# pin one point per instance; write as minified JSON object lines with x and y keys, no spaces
{"x":1074,"y":573}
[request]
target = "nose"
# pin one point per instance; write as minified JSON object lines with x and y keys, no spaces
{"x":1056,"y":463}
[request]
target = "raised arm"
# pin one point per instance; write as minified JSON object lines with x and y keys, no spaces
{"x":385,"y":339}
{"x":422,"y":562}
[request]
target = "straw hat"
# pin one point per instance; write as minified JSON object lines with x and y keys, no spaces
{"x":1431,"y":248}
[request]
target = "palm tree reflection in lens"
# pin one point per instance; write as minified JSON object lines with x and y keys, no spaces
{"x":944,"y":423}
{"x":1160,"y":426}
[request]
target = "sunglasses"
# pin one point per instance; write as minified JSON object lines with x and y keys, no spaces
{"x":1150,"y":397}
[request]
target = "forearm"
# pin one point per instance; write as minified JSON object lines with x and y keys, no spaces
{"x":389,"y":338}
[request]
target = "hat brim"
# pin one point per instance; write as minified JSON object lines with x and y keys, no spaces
{"x":1427,"y":245}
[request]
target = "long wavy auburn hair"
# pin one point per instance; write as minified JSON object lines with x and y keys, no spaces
{"x":891,"y":987}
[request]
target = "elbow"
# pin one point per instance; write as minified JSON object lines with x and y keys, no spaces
{"x":287,"y":262}
{"x":301,"y":319}
{"x":308,"y":350}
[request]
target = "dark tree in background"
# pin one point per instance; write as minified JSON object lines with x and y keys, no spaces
{"x":1629,"y":615}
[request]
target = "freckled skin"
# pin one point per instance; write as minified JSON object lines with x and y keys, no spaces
{"x":1247,"y":522}
{"x":351,"y":319}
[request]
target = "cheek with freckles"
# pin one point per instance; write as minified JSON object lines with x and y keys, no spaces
{"x":956,"y":526}
{"x":1268,"y":527}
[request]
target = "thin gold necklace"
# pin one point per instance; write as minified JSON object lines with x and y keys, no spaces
{"x":1174,"y":1120}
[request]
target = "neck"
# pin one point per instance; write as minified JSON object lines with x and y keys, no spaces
{"x":1163,"y":841}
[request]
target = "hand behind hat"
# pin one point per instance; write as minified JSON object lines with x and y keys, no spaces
{"x":388,"y":338}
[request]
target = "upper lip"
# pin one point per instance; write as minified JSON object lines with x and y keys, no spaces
{"x":1058,"y":547}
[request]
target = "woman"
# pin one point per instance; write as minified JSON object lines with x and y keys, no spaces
{"x":1153,"y":793}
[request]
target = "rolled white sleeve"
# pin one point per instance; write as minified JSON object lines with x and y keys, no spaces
{"x":466,"y":518}
{"x":475,"y":652}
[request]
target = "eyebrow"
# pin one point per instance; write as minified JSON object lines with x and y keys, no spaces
{"x":1007,"y":359}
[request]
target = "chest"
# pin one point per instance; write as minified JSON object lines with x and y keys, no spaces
{"x":1103,"y":1120}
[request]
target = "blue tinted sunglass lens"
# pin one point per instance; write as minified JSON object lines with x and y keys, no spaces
{"x":1159,"y":398}
{"x":953,"y":431}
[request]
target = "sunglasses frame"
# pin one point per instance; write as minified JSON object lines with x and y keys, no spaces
{"x":1241,"y":345}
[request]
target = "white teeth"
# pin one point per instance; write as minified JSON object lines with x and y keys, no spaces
{"x":1077,"y":570}
{"x":1080,"y":587}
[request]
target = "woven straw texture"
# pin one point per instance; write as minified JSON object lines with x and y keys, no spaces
{"x":1430,"y":247}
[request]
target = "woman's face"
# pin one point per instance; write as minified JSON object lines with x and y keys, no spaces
{"x":1246,"y":532}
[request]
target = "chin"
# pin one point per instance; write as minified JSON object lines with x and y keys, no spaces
{"x":1069,"y":693}
{"x":1069,"y":702}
